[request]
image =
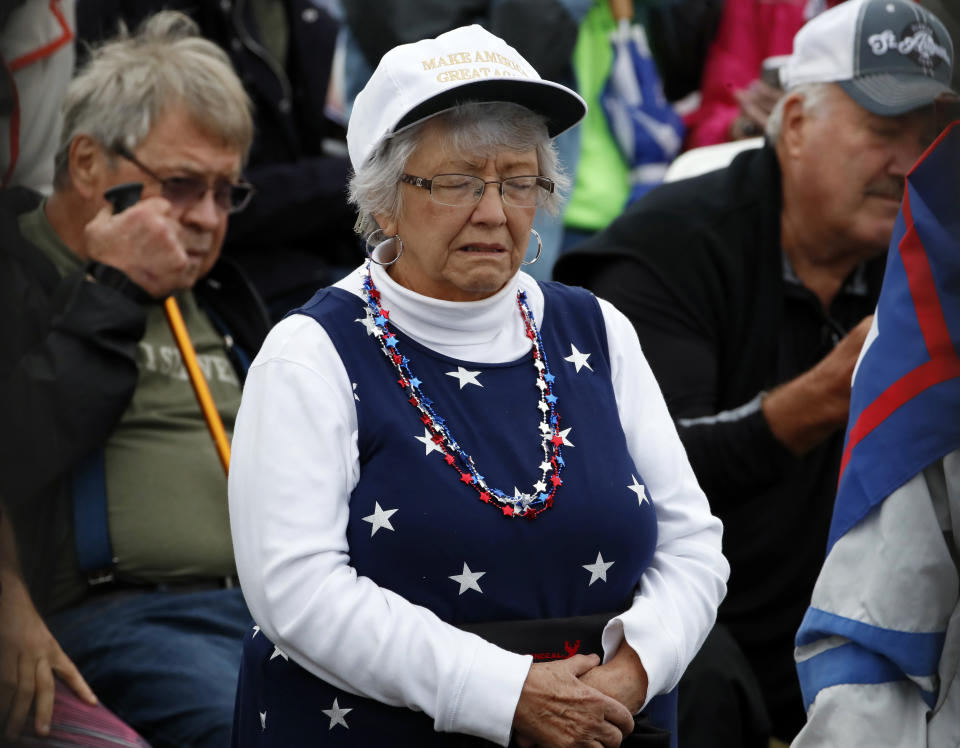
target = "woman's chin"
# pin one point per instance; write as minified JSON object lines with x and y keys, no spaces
{"x":477,"y":284}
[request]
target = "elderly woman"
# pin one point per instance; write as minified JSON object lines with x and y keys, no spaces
{"x":453,"y":487}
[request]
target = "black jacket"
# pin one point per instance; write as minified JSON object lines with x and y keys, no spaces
{"x":68,"y":371}
{"x":697,"y":267}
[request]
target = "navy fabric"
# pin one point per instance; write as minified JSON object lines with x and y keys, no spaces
{"x":90,"y":528}
{"x":531,"y":568}
{"x":908,"y":379}
{"x":166,"y":662}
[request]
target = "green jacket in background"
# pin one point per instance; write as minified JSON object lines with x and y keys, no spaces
{"x":600,"y":187}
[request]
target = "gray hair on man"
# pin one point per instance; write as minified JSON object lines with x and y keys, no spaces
{"x":814,"y":95}
{"x":470,"y":127}
{"x":131,"y":80}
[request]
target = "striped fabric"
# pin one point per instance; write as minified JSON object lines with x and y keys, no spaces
{"x":76,"y":723}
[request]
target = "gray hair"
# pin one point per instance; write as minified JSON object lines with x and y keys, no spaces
{"x":814,"y":96}
{"x":476,"y":128}
{"x":131,"y":80}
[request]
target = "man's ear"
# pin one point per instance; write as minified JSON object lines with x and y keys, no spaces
{"x":87,"y":165}
{"x":793,"y":129}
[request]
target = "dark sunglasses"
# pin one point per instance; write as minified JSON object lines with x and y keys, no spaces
{"x":184,"y":191}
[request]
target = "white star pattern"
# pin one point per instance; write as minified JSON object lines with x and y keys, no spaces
{"x":336,"y":715}
{"x":540,"y":487}
{"x":598,"y":569}
{"x":371,"y":326}
{"x":545,"y":428}
{"x":277,"y":652}
{"x":545,"y":466}
{"x":639,"y":490}
{"x":263,"y":720}
{"x":578,"y":359}
{"x":355,"y":396}
{"x":566,"y":442}
{"x":468,"y":579}
{"x":429,"y":444}
{"x":465,"y":377}
{"x":379,"y":519}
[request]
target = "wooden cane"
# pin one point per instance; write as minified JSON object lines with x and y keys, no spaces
{"x":622,"y":9}
{"x":200,"y":388}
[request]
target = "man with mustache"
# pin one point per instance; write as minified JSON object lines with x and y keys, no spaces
{"x":750,"y":289}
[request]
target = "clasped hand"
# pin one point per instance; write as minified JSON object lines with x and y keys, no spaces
{"x":578,"y":703}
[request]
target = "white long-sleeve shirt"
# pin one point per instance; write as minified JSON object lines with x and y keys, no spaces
{"x":295,"y":464}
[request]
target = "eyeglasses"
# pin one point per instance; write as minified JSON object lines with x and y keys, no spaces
{"x":184,"y":191}
{"x":459,"y":190}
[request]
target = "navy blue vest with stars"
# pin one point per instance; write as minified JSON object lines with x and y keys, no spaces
{"x":432,"y":527}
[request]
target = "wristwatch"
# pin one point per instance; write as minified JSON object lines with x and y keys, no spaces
{"x":111,"y":277}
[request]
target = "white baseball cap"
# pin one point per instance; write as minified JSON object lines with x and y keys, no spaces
{"x":890,"y":56}
{"x":418,"y":80}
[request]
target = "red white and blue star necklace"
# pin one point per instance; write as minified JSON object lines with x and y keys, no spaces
{"x":527,"y":505}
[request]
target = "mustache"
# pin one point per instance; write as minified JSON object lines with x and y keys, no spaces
{"x":891,"y":187}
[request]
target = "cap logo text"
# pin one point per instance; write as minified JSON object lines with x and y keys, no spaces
{"x":469,"y":65}
{"x":917,"y":41}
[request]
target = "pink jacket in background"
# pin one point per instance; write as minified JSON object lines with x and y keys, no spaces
{"x":750,"y":31}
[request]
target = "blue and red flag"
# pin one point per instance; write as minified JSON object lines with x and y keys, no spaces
{"x":904,"y":416}
{"x":907,"y":382}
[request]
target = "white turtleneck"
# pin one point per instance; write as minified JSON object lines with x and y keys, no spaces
{"x":489,"y":331}
{"x":294,"y":466}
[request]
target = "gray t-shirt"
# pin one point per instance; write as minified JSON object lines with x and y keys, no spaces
{"x":166,"y":490}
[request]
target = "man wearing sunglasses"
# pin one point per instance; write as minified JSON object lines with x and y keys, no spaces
{"x":106,"y":466}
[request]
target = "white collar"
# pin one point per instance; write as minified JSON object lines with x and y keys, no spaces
{"x":490,"y":330}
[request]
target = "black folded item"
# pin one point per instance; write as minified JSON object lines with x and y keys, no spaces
{"x":545,"y":638}
{"x":645,"y":735}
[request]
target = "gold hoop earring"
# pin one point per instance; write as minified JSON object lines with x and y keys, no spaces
{"x":372,"y":244}
{"x":539,"y":248}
